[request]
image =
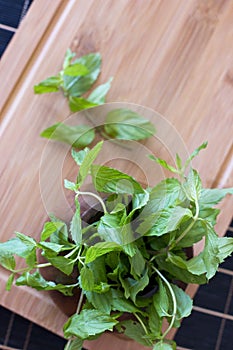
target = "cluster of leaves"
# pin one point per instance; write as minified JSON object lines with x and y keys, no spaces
{"x":75,"y":80}
{"x":130,"y":258}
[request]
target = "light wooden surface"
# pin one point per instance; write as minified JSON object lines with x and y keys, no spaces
{"x":172,"y":56}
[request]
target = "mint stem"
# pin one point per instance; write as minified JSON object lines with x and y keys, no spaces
{"x":96,"y":197}
{"x":173,"y":300}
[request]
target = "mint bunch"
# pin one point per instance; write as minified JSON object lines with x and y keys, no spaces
{"x":130,"y":258}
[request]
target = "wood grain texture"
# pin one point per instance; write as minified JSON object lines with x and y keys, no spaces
{"x":174,"y":57}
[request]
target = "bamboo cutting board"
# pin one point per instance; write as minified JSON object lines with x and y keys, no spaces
{"x":174,"y":57}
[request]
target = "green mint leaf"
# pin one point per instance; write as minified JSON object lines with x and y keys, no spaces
{"x":70,"y":185}
{"x":112,"y":228}
{"x":135,"y":331}
{"x":125,"y":124}
{"x":161,"y":345}
{"x":119,"y":303}
{"x":164,"y":195}
{"x":110,"y":180}
{"x":161,"y":300}
{"x":15,"y":246}
{"x":87,"y":280}
{"x":76,"y":225}
{"x":35,"y":280}
{"x":166,"y":220}
{"x":50,"y":84}
{"x":61,"y":263}
{"x":100,"y":249}
{"x":137,"y":263}
{"x":31,"y":259}
{"x":192,"y":186}
{"x":212,"y":196}
{"x":211,"y":251}
{"x":164,"y":164}
{"x":53,"y":247}
{"x":76,"y":69}
{"x":180,"y":273}
{"x":195,"y":153}
{"x":100,"y":301}
{"x":80,"y":155}
{"x":132,"y":287}
{"x":78,"y":136}
{"x":77,"y":86}
{"x":184,"y":302}
{"x":28,"y":241}
{"x":87,"y":163}
{"x":77,"y":104}
{"x":52,"y":228}
{"x":68,"y":57}
{"x":178,"y":162}
{"x":155,"y":321}
{"x":75,"y":344}
{"x":98,"y":94}
{"x":194,"y":234}
{"x":7,"y":261}
{"x":9,"y":281}
{"x":225,"y":248}
{"x":88,"y":323}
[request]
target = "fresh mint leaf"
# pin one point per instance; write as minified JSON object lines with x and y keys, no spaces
{"x":101,"y":302}
{"x":112,"y":229}
{"x":132,"y":287}
{"x":69,"y":55}
{"x":166,"y":194}
{"x":10,"y":281}
{"x":162,"y":345}
{"x":70,"y":185}
{"x":155,"y":321}
{"x":212,"y":196}
{"x":15,"y":246}
{"x":192,"y":186}
{"x":88,"y":323}
{"x":77,"y":104}
{"x":161,"y":301}
{"x":164,"y":164}
{"x":135,"y":331}
{"x":50,"y":84}
{"x":195,"y":153}
{"x":225,"y":248}
{"x":78,"y":136}
{"x":76,"y":225}
{"x":211,"y":252}
{"x":74,"y":344}
{"x":97,"y":96}
{"x":87,"y":162}
{"x":184,"y":302}
{"x":80,"y":155}
{"x":100,"y":249}
{"x":52,"y":228}
{"x":87,"y":280}
{"x":61,"y":263}
{"x":54,"y":247}
{"x":137,"y":263}
{"x":77,"y":86}
{"x":7,"y":261}
{"x":166,"y":220}
{"x":76,"y":69}
{"x":180,"y":273}
{"x":28,"y":241}
{"x":194,"y":234}
{"x":125,"y":124}
{"x":111,"y":180}
{"x":35,"y":280}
